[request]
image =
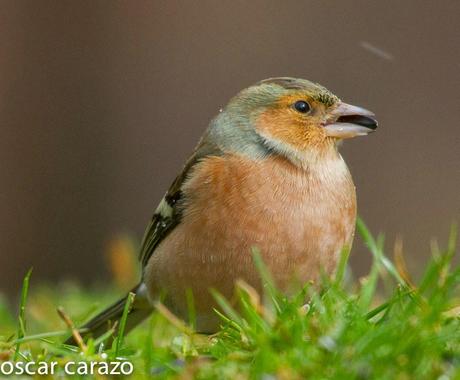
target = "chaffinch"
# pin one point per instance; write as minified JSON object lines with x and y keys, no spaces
{"x":265,"y":174}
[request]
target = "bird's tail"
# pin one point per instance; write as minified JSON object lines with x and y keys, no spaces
{"x":105,"y":320}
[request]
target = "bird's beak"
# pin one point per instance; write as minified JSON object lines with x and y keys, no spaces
{"x":348,"y":121}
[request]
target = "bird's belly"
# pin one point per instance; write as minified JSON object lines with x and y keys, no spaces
{"x":297,"y":231}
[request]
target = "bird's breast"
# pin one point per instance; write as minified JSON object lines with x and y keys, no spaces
{"x":299,"y":220}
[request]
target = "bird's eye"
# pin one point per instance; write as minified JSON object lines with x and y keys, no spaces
{"x":302,"y":106}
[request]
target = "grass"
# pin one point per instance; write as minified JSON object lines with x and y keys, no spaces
{"x":383,"y":326}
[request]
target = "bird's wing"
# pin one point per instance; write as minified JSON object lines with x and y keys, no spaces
{"x":169,"y":212}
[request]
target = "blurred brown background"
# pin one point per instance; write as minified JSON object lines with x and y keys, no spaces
{"x":102,"y":101}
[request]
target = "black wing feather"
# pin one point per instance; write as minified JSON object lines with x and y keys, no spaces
{"x":165,"y":220}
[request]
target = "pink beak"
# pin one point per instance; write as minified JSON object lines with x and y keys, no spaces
{"x":349,"y":121}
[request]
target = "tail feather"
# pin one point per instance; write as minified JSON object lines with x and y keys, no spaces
{"x":105,"y":320}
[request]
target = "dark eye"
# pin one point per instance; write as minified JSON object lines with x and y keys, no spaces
{"x":302,"y":106}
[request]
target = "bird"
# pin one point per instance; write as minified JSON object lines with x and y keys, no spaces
{"x":266,"y":174}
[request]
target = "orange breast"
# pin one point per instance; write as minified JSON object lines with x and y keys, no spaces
{"x":298,"y":219}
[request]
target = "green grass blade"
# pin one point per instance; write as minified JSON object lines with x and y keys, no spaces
{"x":228,"y":310}
{"x":452,"y":242}
{"x":269,"y":285}
{"x":121,"y":330}
{"x":342,"y":266}
{"x":191,"y":308}
{"x":377,"y":252}
{"x":21,"y":332}
{"x":369,"y":287}
{"x":41,"y":336}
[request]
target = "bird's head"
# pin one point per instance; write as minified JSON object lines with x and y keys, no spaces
{"x":295,"y":118}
